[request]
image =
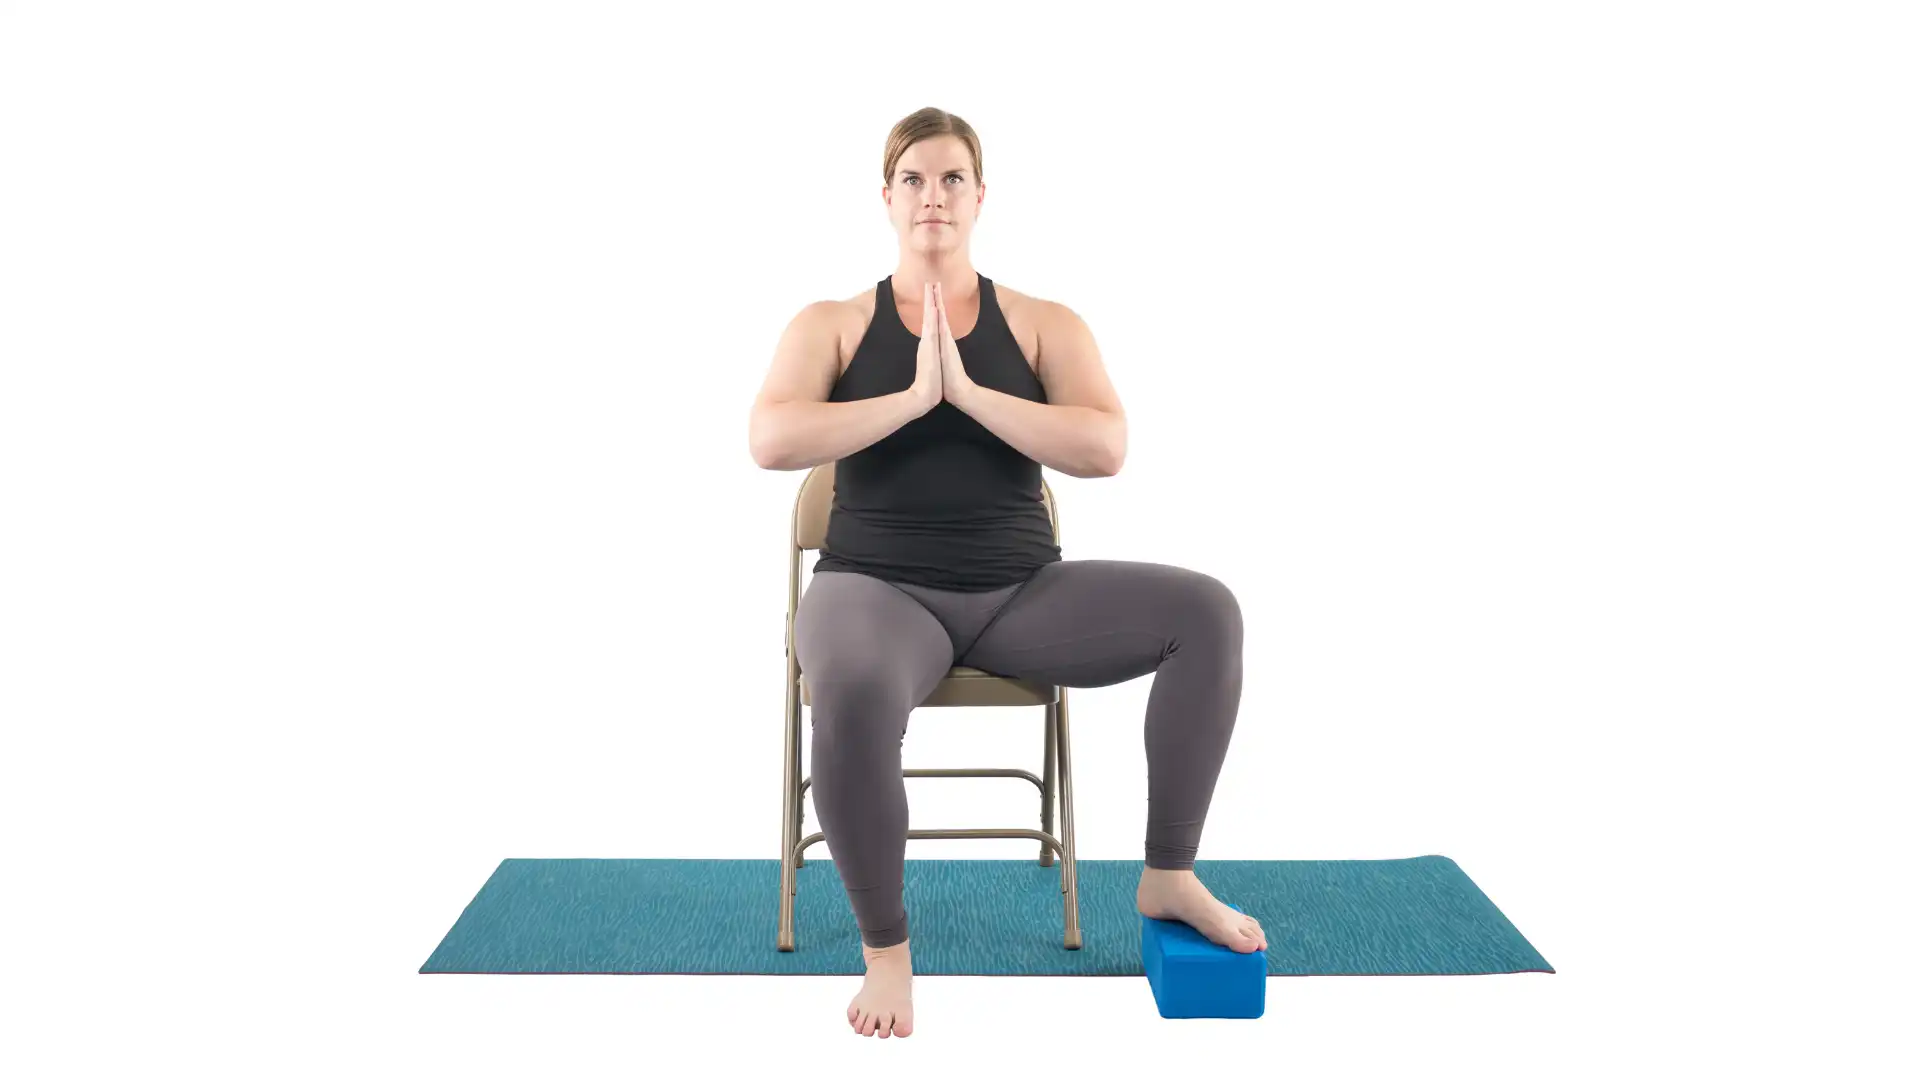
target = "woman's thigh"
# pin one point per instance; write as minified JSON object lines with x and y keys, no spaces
{"x":1096,"y":622}
{"x":857,"y":635}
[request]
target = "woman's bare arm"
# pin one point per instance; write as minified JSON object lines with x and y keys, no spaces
{"x":792,"y":424}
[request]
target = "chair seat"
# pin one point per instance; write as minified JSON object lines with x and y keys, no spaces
{"x":965,"y":686}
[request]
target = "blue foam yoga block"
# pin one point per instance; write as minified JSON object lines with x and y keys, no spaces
{"x":1193,"y":977}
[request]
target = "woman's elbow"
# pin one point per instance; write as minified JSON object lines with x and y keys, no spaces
{"x":1116,"y":454}
{"x":768,"y":457}
{"x":760,"y":444}
{"x":1106,"y":464}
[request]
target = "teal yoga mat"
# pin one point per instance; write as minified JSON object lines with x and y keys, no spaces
{"x":1418,"y":916}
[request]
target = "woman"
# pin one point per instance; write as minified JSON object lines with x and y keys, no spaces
{"x":939,"y":550}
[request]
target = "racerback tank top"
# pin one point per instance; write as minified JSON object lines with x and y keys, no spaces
{"x":941,"y":501}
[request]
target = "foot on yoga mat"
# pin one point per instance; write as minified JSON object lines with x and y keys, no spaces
{"x":1192,"y":977}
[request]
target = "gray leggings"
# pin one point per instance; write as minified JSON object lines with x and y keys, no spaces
{"x":871,"y":651}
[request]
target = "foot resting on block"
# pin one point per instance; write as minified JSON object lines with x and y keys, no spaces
{"x":1194,"y":977}
{"x":1179,"y":895}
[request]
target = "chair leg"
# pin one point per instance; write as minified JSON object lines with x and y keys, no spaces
{"x":1048,"y":786}
{"x":789,"y":810}
{"x":1069,"y":878}
{"x":799,"y":796}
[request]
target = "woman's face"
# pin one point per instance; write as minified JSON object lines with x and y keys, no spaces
{"x":933,"y":198}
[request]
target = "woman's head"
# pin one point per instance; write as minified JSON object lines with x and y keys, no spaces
{"x":933,"y":182}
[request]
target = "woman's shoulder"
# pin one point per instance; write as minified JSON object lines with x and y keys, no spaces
{"x":1016,"y":303}
{"x":859,"y":305}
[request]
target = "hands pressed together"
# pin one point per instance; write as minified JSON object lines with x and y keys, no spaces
{"x":939,"y":375}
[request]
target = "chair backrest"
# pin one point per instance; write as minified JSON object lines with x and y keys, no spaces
{"x":815,"y":502}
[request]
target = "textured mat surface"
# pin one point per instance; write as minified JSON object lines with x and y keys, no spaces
{"x":1418,"y":916}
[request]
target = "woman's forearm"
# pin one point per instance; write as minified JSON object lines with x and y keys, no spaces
{"x":789,"y":435}
{"x":1071,"y":439}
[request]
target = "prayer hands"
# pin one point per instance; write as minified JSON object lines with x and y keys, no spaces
{"x":954,"y":381}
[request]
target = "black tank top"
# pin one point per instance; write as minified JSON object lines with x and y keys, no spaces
{"x":941,"y":501}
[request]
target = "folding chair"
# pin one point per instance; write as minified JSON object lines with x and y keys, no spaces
{"x":961,"y":686}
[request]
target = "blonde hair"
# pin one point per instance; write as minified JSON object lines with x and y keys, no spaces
{"x":926,"y":124}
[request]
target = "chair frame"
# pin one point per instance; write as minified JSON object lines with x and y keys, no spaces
{"x":961,"y":686}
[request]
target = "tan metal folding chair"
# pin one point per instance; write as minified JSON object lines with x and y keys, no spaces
{"x":962,"y":686}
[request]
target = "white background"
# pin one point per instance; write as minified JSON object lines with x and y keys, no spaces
{"x":377,"y":506}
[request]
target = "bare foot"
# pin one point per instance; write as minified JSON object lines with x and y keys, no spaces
{"x":1178,"y":895}
{"x":885,"y":1001}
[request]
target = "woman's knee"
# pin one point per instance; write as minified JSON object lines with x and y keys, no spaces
{"x":858,"y":688}
{"x":1208,"y":608}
